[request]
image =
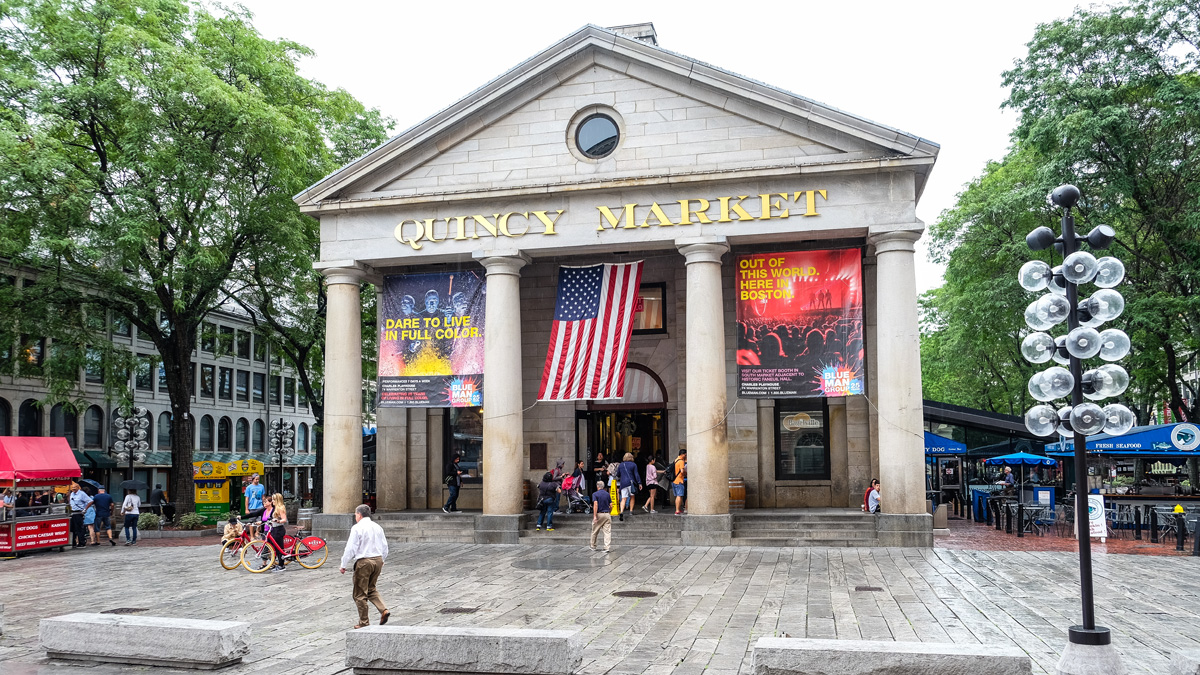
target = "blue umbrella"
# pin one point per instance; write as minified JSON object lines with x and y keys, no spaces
{"x":1020,"y":458}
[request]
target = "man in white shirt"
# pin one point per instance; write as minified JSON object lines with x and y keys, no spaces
{"x":366,"y":549}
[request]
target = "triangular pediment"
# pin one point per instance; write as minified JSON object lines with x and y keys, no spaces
{"x":676,"y":116}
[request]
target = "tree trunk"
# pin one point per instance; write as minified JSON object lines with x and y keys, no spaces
{"x":177,"y":359}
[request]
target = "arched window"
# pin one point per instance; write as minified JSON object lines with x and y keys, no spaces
{"x":259,"y":429}
{"x":5,"y":418}
{"x":224,"y":435}
{"x":29,"y":419}
{"x":243,"y":435}
{"x":206,"y":433}
{"x":164,"y":432}
{"x":302,"y":438}
{"x":93,"y":427}
{"x":62,"y":423}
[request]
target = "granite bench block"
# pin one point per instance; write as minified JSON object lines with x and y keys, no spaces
{"x":430,"y":649}
{"x":793,"y":656}
{"x":145,"y":640}
{"x":1186,"y":662}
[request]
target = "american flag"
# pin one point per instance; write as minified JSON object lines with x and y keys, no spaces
{"x":589,"y":342}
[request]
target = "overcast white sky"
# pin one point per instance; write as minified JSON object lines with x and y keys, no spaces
{"x":931,"y":68}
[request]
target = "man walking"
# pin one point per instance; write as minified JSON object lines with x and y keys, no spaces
{"x":79,"y":502}
{"x":453,"y":483}
{"x":103,"y":503}
{"x":601,"y":520}
{"x":366,"y":549}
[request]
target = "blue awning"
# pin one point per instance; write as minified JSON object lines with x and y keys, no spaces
{"x":1018,"y":458}
{"x":940,"y":445}
{"x":1170,"y":440}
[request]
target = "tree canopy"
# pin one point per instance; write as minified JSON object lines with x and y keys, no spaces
{"x":149,"y":151}
{"x":1109,"y":100}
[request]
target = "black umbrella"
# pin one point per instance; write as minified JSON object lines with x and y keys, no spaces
{"x":89,"y":481}
{"x":134,"y":485}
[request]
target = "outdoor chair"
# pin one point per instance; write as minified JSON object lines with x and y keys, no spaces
{"x":1042,"y":519}
{"x":1065,"y":520}
{"x":1166,"y":523}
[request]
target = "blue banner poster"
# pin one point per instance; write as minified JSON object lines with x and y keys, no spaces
{"x":431,"y":340}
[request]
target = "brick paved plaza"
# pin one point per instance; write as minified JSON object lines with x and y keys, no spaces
{"x":713,"y":603}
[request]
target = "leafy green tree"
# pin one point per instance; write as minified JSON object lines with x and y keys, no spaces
{"x":149,"y":150}
{"x":1109,"y":99}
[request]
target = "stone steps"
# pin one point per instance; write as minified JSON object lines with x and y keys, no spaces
{"x":774,"y":542}
{"x":806,"y":533}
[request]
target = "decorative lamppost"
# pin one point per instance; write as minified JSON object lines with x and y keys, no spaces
{"x":283,"y":436}
{"x":1089,"y":648}
{"x":131,"y":433}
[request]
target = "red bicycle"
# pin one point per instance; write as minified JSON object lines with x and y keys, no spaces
{"x":259,"y":555}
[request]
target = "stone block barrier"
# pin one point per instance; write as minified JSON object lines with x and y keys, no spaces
{"x":1186,"y":662}
{"x":145,"y":640}
{"x":377,"y":650}
{"x":794,"y":656}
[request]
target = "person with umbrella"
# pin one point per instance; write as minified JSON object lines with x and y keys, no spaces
{"x":131,"y":508}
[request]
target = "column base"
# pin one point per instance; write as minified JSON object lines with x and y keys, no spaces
{"x":332,"y":526}
{"x":1086,"y":659}
{"x":910,"y":530}
{"x":707,"y":530}
{"x":498,"y":529}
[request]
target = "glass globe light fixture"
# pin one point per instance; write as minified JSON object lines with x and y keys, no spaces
{"x":1054,"y":308}
{"x":1041,"y":420}
{"x":1114,"y":344}
{"x":1035,"y":389}
{"x":1064,"y":421}
{"x":1055,"y":284}
{"x":1105,"y":304}
{"x":1034,"y":275}
{"x":1037,"y":347}
{"x":1083,"y":343}
{"x":1060,"y":351}
{"x":1117,"y":419}
{"x":1035,"y":320}
{"x":1087,"y":418}
{"x":1056,"y":382}
{"x":1109,"y":272}
{"x":1079,"y":267}
{"x":1116,"y":380}
{"x":1084,"y":316}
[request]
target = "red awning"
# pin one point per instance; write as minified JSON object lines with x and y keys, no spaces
{"x":27,"y":458}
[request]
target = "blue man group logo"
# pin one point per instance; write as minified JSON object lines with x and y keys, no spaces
{"x":1185,"y":437}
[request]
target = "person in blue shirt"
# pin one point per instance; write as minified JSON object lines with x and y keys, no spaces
{"x":601,"y":520}
{"x":253,"y":495}
{"x":79,"y":502}
{"x":103,"y":503}
{"x":629,"y":482}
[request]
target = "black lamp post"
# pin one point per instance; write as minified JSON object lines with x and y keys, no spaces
{"x":130,"y":429}
{"x":283,"y":436}
{"x":1080,"y":419}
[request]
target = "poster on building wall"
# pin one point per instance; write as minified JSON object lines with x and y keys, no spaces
{"x":431,"y":340}
{"x":800,"y":324}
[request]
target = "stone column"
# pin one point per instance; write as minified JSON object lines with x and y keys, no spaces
{"x":898,"y":393}
{"x":503,"y":422}
{"x":342,"y":479}
{"x":708,"y":521}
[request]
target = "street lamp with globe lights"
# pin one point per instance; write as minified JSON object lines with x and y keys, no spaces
{"x":1089,"y":644}
{"x":283,"y":436}
{"x":130,"y":430}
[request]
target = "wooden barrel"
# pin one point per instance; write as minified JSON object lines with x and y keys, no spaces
{"x":737,"y":493}
{"x":304,"y":519}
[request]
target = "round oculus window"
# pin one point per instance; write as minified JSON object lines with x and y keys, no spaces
{"x":597,"y":136}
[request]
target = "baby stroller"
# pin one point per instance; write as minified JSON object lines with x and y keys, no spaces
{"x":577,"y":501}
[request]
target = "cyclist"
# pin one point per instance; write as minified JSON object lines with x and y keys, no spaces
{"x":275,"y":513}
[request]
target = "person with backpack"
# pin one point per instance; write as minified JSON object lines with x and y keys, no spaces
{"x":453,"y":483}
{"x":679,"y":480}
{"x":628,"y":482}
{"x":547,"y":499}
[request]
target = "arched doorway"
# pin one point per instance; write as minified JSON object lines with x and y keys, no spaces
{"x":636,"y":423}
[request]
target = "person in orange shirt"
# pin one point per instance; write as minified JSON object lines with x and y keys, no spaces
{"x":679,"y":484}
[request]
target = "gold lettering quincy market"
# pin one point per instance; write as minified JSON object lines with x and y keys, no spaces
{"x":769,"y":206}
{"x":514,"y":224}
{"x":691,"y":211}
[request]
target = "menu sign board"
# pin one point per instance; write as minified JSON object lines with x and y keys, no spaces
{"x":37,"y":534}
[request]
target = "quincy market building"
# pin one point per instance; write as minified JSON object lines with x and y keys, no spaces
{"x":764,"y":221}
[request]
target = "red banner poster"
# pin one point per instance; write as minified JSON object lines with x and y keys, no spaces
{"x":800,"y":324}
{"x":36,"y":534}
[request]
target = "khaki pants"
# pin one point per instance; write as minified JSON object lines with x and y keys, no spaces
{"x":366,"y":573}
{"x":602,"y":523}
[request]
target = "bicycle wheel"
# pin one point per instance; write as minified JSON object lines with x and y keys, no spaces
{"x":258,"y":556}
{"x":310,"y":559}
{"x":231,"y":554}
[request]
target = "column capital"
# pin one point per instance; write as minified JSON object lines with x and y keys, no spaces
{"x":502,"y":262}
{"x":346,"y":272}
{"x":894,"y":240}
{"x":702,"y":249}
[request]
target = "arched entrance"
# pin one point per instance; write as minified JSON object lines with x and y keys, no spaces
{"x":636,"y":424}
